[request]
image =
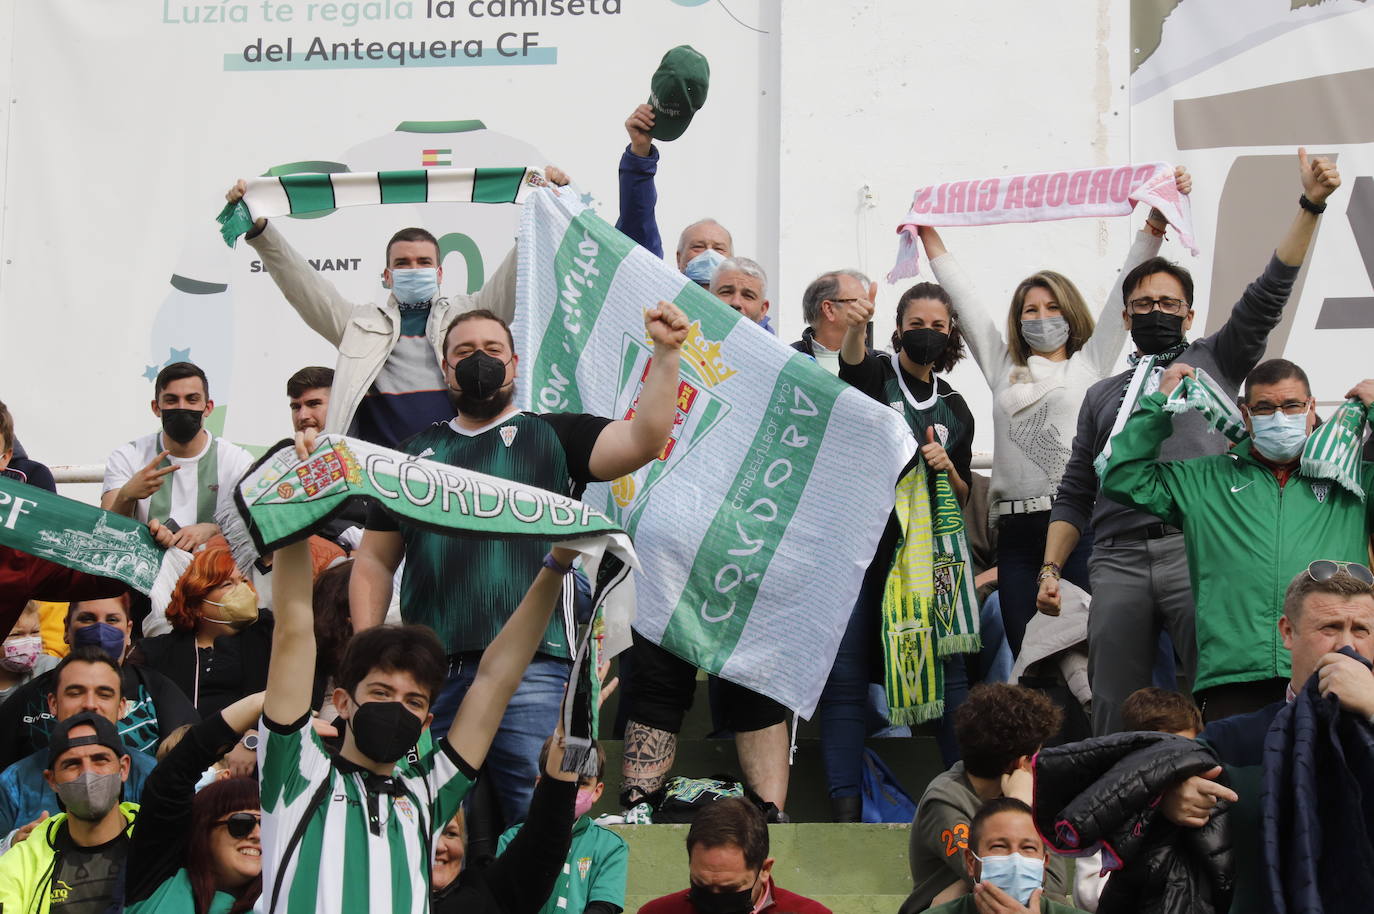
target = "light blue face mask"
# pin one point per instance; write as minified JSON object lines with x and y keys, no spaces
{"x":1017,"y":875}
{"x":701,"y":269}
{"x":415,"y":287}
{"x":1279,"y":436}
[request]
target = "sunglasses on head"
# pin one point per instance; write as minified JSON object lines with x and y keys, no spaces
{"x":240,"y":824}
{"x":1326,"y":569}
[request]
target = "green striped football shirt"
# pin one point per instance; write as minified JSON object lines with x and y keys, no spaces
{"x":361,"y":850}
{"x":464,"y":587}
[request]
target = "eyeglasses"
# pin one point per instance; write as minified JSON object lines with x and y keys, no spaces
{"x":1291,"y":408}
{"x":1326,"y":569}
{"x":240,"y":824}
{"x":1167,"y":305}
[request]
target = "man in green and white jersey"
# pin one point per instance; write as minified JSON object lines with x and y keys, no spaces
{"x":466,"y":588}
{"x":353,"y":832}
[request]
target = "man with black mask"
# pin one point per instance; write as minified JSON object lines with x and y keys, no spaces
{"x":181,"y":472}
{"x":466,"y":588}
{"x":1139,"y":568}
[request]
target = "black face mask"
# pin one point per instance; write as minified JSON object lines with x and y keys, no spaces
{"x":384,"y":730}
{"x":181,"y":425}
{"x":1156,"y":331}
{"x":708,"y":902}
{"x":483,"y":392}
{"x":924,"y":345}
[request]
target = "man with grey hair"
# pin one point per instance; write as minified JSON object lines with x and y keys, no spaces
{"x":743,"y":285}
{"x":703,"y":247}
{"x":823,"y":309}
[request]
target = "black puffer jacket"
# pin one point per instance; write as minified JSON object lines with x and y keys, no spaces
{"x":1104,"y":794}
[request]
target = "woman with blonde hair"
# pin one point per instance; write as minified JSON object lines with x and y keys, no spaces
{"x":1039,"y":373}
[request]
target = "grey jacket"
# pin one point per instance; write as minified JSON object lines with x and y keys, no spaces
{"x":1227,"y":355}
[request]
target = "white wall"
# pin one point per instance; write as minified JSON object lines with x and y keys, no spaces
{"x":896,"y":95}
{"x":810,"y":101}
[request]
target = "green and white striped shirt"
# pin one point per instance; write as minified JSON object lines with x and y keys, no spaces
{"x":337,"y":839}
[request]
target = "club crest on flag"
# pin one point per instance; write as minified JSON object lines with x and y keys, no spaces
{"x":699,"y":410}
{"x":507,"y":433}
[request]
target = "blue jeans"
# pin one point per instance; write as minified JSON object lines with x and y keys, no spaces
{"x":964,"y":671}
{"x":1020,"y":553}
{"x":843,"y":707}
{"x":530,"y":718}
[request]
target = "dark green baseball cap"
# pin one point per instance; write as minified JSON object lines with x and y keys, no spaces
{"x":677,"y":91}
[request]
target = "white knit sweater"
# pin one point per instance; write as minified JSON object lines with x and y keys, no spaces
{"x":1035,"y":408}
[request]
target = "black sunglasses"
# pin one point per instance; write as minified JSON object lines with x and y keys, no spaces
{"x":1326,"y":569}
{"x":241,"y":824}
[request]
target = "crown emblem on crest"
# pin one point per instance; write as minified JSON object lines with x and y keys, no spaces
{"x":353,"y":471}
{"x":704,"y":356}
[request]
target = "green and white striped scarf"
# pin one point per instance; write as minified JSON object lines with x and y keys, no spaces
{"x":294,"y":195}
{"x":1203,"y":394}
{"x":1199,"y":392}
{"x":1332,"y":450}
{"x":282,"y":499}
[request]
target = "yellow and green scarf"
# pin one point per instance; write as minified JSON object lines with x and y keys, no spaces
{"x":929,"y":608}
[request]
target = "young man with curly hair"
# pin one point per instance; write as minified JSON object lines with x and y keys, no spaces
{"x":999,"y":728}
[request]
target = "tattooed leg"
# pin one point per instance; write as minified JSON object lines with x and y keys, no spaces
{"x":648,"y":759}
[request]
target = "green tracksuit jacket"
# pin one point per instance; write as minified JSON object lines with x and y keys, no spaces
{"x":1246,"y":538}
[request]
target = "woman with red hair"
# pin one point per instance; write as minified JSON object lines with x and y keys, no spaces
{"x":220,"y":642}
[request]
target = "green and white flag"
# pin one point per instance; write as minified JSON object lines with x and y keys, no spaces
{"x":86,"y":538}
{"x":299,"y":194}
{"x":755,"y":524}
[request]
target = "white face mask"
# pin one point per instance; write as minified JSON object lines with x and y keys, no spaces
{"x":1045,"y":334}
{"x":21,"y":653}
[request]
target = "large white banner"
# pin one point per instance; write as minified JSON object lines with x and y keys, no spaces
{"x":754,"y":526}
{"x":1232,"y":96}
{"x":125,"y":121}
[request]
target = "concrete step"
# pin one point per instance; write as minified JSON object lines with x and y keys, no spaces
{"x":913,"y":760}
{"x":855,"y":869}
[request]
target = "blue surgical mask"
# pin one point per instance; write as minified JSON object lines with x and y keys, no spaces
{"x":102,"y":635}
{"x":1045,"y":334}
{"x":1279,"y":436}
{"x":701,"y":269}
{"x":415,"y":287}
{"x":1017,"y":875}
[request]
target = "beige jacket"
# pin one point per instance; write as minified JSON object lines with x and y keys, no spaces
{"x":366,"y":334}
